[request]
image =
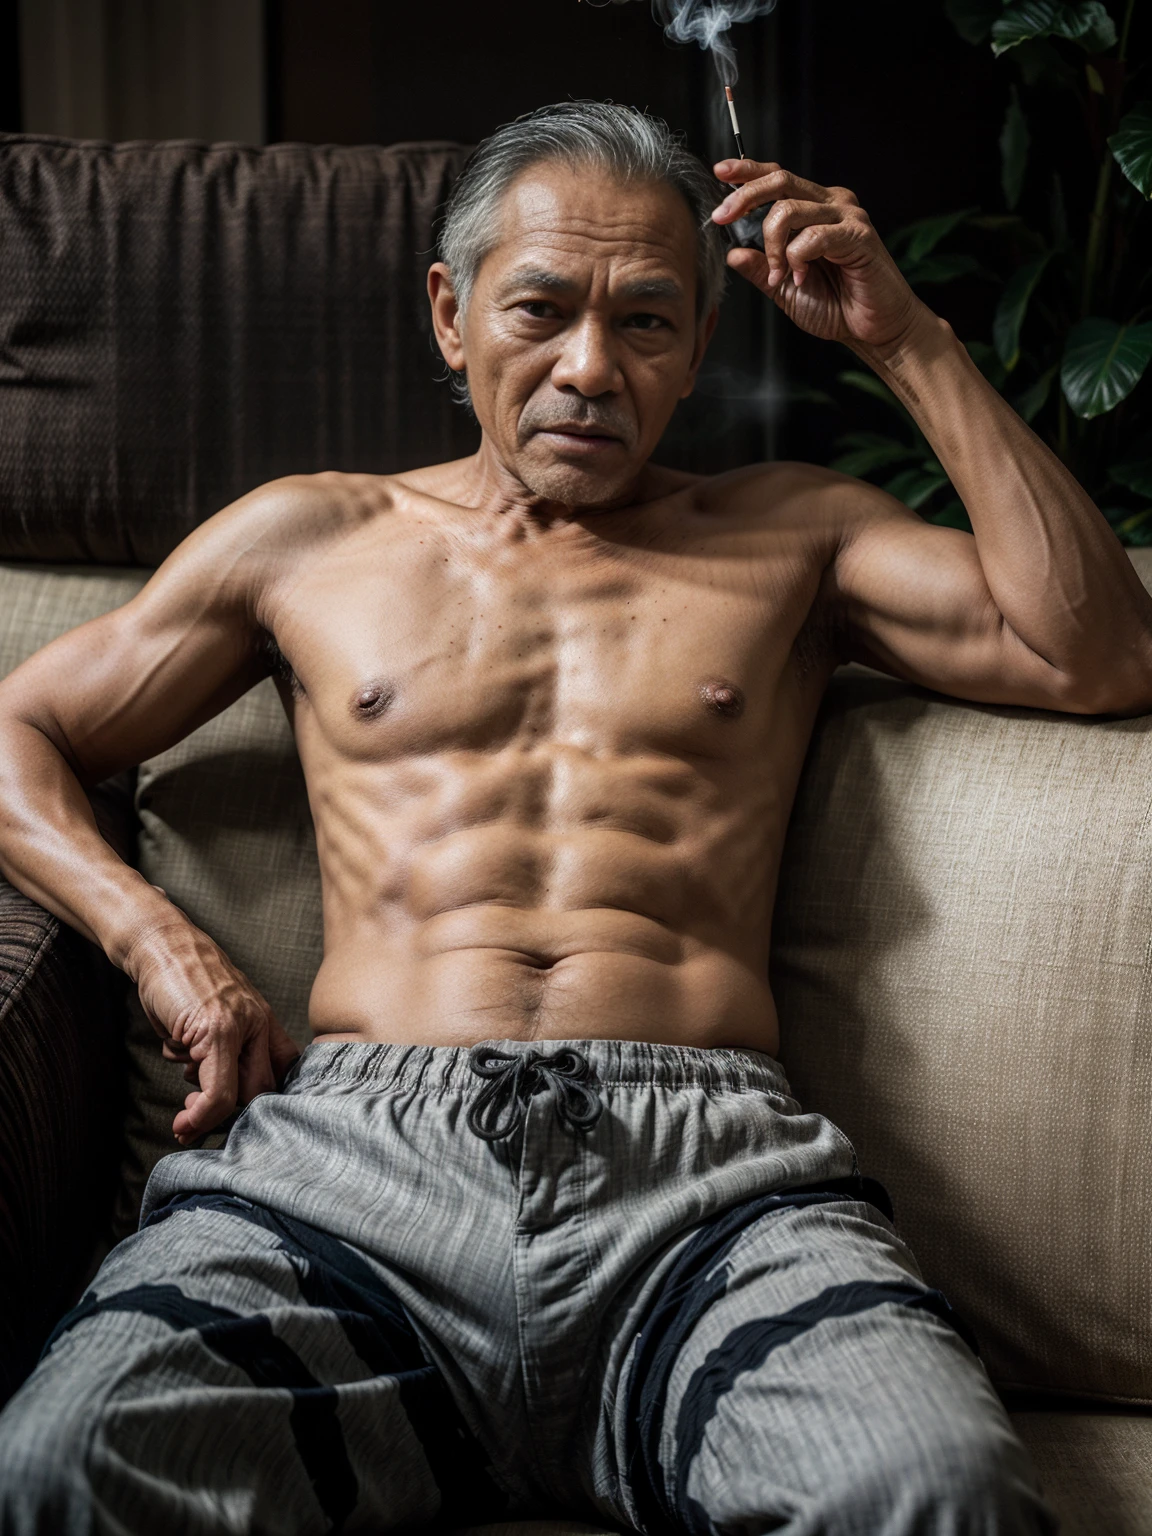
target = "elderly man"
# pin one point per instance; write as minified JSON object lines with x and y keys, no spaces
{"x":534,"y":1225}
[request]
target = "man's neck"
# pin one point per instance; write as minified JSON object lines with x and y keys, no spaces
{"x":485,"y":483}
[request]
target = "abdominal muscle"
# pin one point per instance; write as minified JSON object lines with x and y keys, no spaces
{"x":422,"y":972}
{"x":492,"y":990}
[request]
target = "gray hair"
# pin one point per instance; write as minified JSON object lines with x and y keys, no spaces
{"x":627,"y":143}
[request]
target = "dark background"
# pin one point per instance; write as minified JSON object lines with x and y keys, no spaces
{"x":884,"y":98}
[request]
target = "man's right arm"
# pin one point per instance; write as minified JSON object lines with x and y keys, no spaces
{"x":103,"y":698}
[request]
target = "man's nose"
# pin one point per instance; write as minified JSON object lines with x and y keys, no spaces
{"x":588,"y":361}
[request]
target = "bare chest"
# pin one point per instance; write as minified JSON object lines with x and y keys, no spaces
{"x":680,"y":653}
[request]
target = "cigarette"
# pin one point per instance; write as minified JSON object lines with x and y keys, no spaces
{"x":735,"y":124}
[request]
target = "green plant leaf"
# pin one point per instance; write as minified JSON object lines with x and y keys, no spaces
{"x":1083,"y":21}
{"x":1014,"y":142}
{"x":1012,"y":308}
{"x":1100,"y":36}
{"x":1131,"y":145}
{"x":972,"y":18}
{"x":914,"y":486}
{"x":1135,"y":529}
{"x":1035,"y":397}
{"x":951,"y":515}
{"x":863,"y":461}
{"x":945,"y":267}
{"x":1103,"y":363}
{"x":1135,"y":468}
{"x":926,"y":234}
{"x":1040,"y":62}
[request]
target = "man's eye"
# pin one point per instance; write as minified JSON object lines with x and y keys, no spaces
{"x":538,"y":309}
{"x":645,"y":322}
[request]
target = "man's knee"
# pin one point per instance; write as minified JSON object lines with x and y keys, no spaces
{"x":42,"y":1479}
{"x":954,"y":1474}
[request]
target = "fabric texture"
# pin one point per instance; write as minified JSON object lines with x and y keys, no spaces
{"x":961,"y":961}
{"x":61,"y":1118}
{"x":62,"y":1012}
{"x":682,"y":1313}
{"x":226,"y":831}
{"x":181,"y":322}
{"x":1095,"y":1468}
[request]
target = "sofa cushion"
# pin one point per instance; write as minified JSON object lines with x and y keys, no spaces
{"x":226,"y":831}
{"x":180,"y":322}
{"x":1095,"y":1469}
{"x":39,"y":602}
{"x":61,"y":1032}
{"x":961,"y":959}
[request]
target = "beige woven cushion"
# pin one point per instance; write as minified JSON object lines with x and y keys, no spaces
{"x":962,"y":962}
{"x":1095,"y":1469}
{"x":39,"y":602}
{"x":226,"y":831}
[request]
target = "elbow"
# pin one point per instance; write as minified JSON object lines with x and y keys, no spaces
{"x":1124,"y":696}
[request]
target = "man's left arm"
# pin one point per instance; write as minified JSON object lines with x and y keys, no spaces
{"x":1042,"y":606}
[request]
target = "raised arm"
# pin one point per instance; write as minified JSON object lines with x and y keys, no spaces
{"x":104,"y":697}
{"x":1041,"y":606}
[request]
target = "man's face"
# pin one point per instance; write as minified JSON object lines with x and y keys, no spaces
{"x":581,"y":331}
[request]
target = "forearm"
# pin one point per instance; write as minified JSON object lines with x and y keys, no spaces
{"x":1055,"y":570}
{"x":50,"y":848}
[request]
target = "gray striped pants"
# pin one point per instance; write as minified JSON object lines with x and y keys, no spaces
{"x":630,"y":1283}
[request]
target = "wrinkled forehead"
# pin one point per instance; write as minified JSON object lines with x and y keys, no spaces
{"x":596,"y":230}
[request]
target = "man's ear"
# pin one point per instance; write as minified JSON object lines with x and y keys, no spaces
{"x":445,"y":316}
{"x":703,"y":336}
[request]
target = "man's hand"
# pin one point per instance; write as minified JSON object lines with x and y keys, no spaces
{"x":823,"y":263}
{"x":211,"y":1018}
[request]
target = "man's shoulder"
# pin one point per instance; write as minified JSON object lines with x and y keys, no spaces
{"x":780,"y":494}
{"x":302,"y":510}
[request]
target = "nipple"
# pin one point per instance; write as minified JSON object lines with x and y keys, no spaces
{"x":372,"y":700}
{"x":724,"y":699}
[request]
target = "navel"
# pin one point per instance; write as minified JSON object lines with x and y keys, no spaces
{"x":372,"y":700}
{"x":723,"y":699}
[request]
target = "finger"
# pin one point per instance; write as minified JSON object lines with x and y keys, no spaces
{"x":768,"y":189}
{"x":836,"y":243}
{"x":282,"y":1050}
{"x":783,"y":222}
{"x":216,"y":1097}
{"x":172,"y":1051}
{"x":738,"y":171}
{"x":752,"y":264}
{"x":254,"y":1071}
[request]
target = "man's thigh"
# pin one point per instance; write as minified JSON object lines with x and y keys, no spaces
{"x":230,"y":1370}
{"x":806,"y":1380}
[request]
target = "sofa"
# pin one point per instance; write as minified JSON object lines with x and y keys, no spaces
{"x":962,"y":951}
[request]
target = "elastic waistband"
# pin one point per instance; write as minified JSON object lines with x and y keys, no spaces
{"x":446,"y":1068}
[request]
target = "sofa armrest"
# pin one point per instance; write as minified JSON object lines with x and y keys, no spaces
{"x":61,"y":1111}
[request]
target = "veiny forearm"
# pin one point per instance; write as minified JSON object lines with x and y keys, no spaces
{"x":50,"y":848}
{"x":1055,"y":569}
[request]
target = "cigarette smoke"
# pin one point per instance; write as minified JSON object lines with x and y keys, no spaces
{"x":707,"y":22}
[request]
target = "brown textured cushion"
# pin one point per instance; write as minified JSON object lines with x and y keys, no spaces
{"x":1095,"y":1469}
{"x":181,"y":322}
{"x":961,"y":958}
{"x":61,"y":1113}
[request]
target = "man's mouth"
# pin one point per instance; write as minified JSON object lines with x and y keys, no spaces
{"x":579,"y":438}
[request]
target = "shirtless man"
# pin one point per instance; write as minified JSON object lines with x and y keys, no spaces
{"x":535,"y":1224}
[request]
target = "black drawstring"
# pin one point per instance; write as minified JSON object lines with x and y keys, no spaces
{"x":513,"y":1077}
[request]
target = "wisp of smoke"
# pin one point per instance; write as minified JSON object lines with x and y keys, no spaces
{"x":708,"y":23}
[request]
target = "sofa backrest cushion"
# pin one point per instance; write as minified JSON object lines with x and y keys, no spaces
{"x":962,"y":958}
{"x":180,"y":322}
